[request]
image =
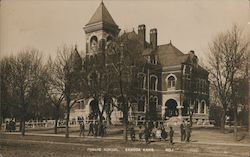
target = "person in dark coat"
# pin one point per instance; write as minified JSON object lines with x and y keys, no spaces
{"x":171,"y":134}
{"x":91,"y":129}
{"x":183,"y":132}
{"x":163,"y":134}
{"x":81,"y":128}
{"x":96,"y":128}
{"x":188,"y":132}
{"x":147,"y":134}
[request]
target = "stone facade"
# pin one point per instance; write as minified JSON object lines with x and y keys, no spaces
{"x":171,"y":82}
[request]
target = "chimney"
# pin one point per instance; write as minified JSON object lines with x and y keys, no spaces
{"x":153,"y":38}
{"x":142,"y":34}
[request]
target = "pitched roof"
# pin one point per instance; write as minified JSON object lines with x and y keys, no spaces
{"x":134,"y":35}
{"x":169,"y":55}
{"x":101,"y":15}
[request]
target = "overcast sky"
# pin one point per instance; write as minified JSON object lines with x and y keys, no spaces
{"x":48,"y":24}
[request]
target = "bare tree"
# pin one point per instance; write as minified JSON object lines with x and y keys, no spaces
{"x":52,"y":89}
{"x":125,"y":56}
{"x":226,"y":65}
{"x":25,"y":71}
{"x":66,"y":79}
{"x":5,"y":89}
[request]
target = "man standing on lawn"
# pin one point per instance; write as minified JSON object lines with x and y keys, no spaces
{"x":81,"y":128}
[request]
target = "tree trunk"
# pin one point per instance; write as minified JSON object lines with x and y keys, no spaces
{"x":235,"y":123}
{"x":55,"y":127}
{"x":20,"y":125}
{"x":125,"y":132}
{"x":222,"y":124}
{"x":109,"y":119}
{"x":56,"y":120}
{"x":125,"y":125}
{"x":1,"y":116}
{"x":67,"y":122}
{"x":23,"y":126}
{"x":191,"y":119}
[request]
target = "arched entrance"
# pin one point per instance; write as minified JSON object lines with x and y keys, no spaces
{"x":171,"y":108}
{"x":94,"y":109}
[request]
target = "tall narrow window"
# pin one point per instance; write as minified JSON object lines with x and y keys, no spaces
{"x":187,"y":72}
{"x":141,"y":80}
{"x":153,"y":82}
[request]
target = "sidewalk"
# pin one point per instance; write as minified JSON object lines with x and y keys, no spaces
{"x":121,"y":138}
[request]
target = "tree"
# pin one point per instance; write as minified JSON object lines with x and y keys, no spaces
{"x":25,"y":70}
{"x":125,"y":57}
{"x":97,"y":83}
{"x":227,"y":64}
{"x":7,"y":100}
{"x":53,"y":93}
{"x":66,"y":69}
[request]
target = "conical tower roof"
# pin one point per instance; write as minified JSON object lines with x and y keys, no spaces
{"x":101,"y":15}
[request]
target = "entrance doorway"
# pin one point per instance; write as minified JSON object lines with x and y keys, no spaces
{"x":171,"y":108}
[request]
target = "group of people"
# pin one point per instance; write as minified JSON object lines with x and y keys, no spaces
{"x":150,"y":132}
{"x":95,"y":128}
{"x":10,"y":126}
{"x":185,"y":129}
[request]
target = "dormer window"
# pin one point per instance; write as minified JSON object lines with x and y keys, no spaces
{"x":153,"y":59}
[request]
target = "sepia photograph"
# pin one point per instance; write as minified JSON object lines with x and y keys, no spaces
{"x":137,"y":78}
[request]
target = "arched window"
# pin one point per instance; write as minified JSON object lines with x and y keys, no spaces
{"x":202,"y":108}
{"x":141,"y":80}
{"x":108,"y":41}
{"x":93,"y":42}
{"x":171,"y":82}
{"x":141,"y":104}
{"x":153,"y":82}
{"x":196,"y":106}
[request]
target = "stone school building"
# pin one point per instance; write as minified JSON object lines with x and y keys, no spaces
{"x":174,"y":84}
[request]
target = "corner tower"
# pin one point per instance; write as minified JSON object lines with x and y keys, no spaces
{"x":100,"y":29}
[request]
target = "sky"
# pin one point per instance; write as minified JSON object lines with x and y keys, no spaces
{"x":49,"y":24}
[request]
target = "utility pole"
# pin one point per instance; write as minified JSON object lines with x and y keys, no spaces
{"x":148,"y":94}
